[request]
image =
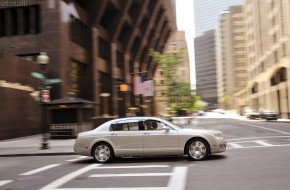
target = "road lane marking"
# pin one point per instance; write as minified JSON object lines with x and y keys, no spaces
{"x":81,"y":157}
{"x":265,"y":137}
{"x":131,"y":175}
{"x":77,"y":159}
{"x":262,"y":142}
{"x":73,"y":160}
{"x":59,"y":182}
{"x":40,"y":169}
{"x":260,"y":146}
{"x":126,"y":188}
{"x":4,"y":182}
{"x":178,"y":179}
{"x":122,"y":167}
{"x":266,"y":128}
{"x":235,"y":145}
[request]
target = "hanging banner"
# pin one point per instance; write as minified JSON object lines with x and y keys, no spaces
{"x":148,"y":88}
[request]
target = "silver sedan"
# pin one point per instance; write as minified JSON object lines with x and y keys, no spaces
{"x":147,"y":136}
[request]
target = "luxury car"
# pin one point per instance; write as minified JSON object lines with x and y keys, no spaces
{"x":269,"y":115}
{"x":147,"y":136}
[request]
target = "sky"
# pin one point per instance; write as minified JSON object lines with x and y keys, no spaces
{"x":185,"y":21}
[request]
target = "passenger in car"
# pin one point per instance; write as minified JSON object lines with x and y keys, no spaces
{"x":154,"y":125}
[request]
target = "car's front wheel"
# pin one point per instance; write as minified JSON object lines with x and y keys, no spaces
{"x":103,"y":153}
{"x":197,"y":149}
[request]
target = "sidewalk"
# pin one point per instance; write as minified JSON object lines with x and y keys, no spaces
{"x":30,"y":146}
{"x":239,"y":117}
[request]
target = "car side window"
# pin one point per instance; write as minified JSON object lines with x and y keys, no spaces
{"x":153,"y":125}
{"x":131,"y":125}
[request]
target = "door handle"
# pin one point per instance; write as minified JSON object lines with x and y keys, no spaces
{"x":113,"y":133}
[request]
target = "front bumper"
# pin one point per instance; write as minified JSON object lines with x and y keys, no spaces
{"x":219,"y":146}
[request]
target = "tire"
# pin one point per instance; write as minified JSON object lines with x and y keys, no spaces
{"x":103,"y":153}
{"x":197,"y":149}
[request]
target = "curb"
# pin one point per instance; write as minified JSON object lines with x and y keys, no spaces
{"x":39,"y":154}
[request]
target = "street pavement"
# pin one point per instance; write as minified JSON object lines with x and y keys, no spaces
{"x":31,"y":145}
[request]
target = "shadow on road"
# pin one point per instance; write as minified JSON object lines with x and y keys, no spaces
{"x":151,"y":159}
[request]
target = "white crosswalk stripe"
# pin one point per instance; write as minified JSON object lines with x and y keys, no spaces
{"x":176,"y":181}
{"x":40,"y":169}
{"x":4,"y":182}
{"x":256,"y":143}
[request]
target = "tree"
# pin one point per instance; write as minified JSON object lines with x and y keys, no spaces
{"x":178,"y":93}
{"x":225,"y":101}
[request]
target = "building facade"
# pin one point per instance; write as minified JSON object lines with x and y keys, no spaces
{"x":93,"y":46}
{"x":267,"y":34}
{"x":176,"y":44}
{"x":206,"y":13}
{"x":231,"y":59}
{"x":205,"y":68}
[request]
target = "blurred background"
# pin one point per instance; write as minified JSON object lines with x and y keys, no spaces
{"x":68,"y":65}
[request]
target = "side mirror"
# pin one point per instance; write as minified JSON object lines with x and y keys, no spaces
{"x":165,"y":128}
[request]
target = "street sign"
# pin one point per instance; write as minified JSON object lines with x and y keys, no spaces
{"x":52,"y":81}
{"x":38,"y":75}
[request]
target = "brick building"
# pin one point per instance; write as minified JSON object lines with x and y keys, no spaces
{"x":93,"y":47}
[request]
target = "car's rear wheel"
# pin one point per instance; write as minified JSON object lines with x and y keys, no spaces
{"x":103,"y":153}
{"x":197,"y":149}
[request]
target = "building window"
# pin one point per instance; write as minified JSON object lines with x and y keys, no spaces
{"x":120,"y":60}
{"x":104,"y":50}
{"x":78,"y":78}
{"x":284,"y":50}
{"x":79,"y":32}
{"x":161,"y":73}
{"x":174,"y":45}
{"x":20,"y":20}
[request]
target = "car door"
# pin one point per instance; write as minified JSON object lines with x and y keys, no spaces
{"x":126,"y":136}
{"x":157,"y":141}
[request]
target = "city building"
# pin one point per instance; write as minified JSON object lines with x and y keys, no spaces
{"x":206,"y":13}
{"x":93,"y":47}
{"x":267,"y":34}
{"x":176,"y":44}
{"x":205,"y":68}
{"x":231,"y":59}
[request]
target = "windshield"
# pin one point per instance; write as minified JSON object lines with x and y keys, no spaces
{"x":172,"y":124}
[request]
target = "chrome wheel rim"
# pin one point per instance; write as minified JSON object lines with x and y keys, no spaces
{"x":102,"y":153}
{"x":197,"y":150}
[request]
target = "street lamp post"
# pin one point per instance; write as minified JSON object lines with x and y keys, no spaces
{"x":43,"y":60}
{"x":105,"y":101}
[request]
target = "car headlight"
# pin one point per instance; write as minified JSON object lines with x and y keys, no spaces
{"x":218,"y":136}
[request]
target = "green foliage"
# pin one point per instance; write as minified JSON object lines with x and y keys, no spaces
{"x":178,"y":93}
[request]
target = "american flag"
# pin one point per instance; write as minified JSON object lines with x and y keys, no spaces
{"x":143,"y":87}
{"x":138,"y":85}
{"x":148,"y":88}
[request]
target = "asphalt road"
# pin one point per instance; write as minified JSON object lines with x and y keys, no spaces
{"x":257,"y":157}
